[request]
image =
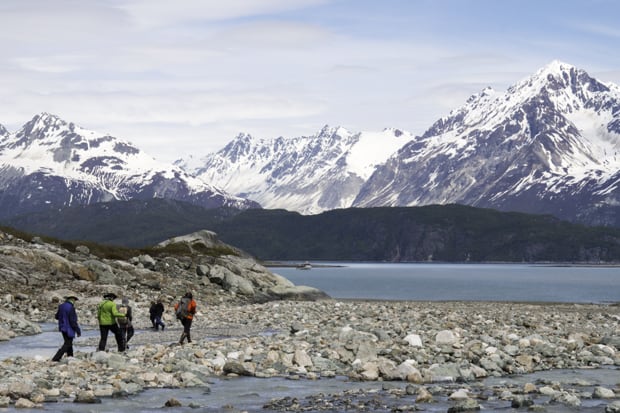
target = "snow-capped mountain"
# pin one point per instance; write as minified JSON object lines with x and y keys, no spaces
{"x":308,"y":174}
{"x":52,"y":163}
{"x":549,"y":144}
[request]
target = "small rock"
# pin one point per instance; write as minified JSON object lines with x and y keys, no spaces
{"x":173,"y":403}
{"x":22,"y":403}
{"x":613,"y":407}
{"x":466,"y":405}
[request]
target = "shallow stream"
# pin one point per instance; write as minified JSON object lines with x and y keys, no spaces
{"x":340,"y":394}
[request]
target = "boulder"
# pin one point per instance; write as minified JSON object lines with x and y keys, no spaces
{"x":414,"y":340}
{"x":446,"y":338}
{"x":603,"y":393}
{"x":238,"y":368}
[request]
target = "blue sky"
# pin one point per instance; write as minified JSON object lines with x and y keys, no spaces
{"x":186,"y":77}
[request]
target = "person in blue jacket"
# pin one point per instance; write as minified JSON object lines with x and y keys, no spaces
{"x":68,"y":326}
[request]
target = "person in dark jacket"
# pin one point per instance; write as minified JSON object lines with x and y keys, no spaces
{"x":152,"y":313}
{"x":68,"y":326}
{"x":158,"y":313}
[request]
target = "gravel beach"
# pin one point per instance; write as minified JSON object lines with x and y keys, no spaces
{"x":431,"y":346}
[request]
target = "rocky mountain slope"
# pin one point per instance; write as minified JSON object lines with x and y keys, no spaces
{"x":50,"y":163}
{"x":549,"y":144}
{"x":308,"y":174}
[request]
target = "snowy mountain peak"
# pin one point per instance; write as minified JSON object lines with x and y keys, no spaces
{"x":330,"y":131}
{"x":484,"y":94}
{"x":240,"y":146}
{"x":45,"y":120}
{"x":40,"y":127}
{"x":559,"y":78}
{"x":47,"y":140}
{"x":308,"y":174}
{"x":242,"y":136}
{"x":549,"y":144}
{"x":50,"y":162}
{"x":555,"y":67}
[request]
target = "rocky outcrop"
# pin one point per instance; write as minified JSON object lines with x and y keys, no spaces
{"x":238,"y":273}
{"x":35,"y":277}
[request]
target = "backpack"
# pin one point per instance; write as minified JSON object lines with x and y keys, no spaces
{"x":182,"y":310}
{"x":122,"y":320}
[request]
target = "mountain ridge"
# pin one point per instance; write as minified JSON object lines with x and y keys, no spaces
{"x":548,"y":144}
{"x":51,"y":163}
{"x":514,"y":150}
{"x":308,"y":173}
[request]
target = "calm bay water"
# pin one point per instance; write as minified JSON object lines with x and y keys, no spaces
{"x":462,"y":282}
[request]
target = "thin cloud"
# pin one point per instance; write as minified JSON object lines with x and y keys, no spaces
{"x":201,"y":71}
{"x":154,"y":13}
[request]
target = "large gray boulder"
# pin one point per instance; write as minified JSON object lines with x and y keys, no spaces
{"x":237,"y":272}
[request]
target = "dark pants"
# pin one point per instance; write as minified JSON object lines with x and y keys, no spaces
{"x":187,"y":325}
{"x":67,"y":347}
{"x":126,"y":333}
{"x":158,"y":323}
{"x":104,"y":337}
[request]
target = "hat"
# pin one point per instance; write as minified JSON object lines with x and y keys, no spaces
{"x":111,"y":296}
{"x":71,"y":296}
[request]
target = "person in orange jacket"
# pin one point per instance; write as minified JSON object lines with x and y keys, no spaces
{"x":185,"y":310}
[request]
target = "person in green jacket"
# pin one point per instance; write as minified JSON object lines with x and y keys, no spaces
{"x":107,"y":314}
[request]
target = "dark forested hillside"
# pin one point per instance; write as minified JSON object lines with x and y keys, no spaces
{"x":453,"y":233}
{"x":135,"y":223}
{"x":438,"y":233}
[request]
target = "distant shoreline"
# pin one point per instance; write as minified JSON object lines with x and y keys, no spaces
{"x":278,"y":264}
{"x":294,"y":264}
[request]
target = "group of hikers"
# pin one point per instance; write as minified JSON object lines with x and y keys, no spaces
{"x":118,"y":319}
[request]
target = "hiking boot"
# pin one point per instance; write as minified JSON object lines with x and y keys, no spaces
{"x":162,"y":328}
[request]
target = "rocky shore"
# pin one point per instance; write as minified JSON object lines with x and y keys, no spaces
{"x":251,"y":323}
{"x":435,"y":348}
